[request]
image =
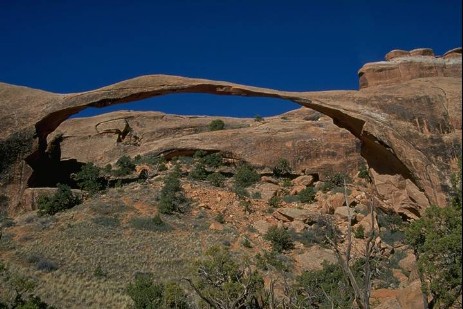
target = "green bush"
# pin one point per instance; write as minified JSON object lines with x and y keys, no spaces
{"x":274,"y":259}
{"x":307,"y":195}
{"x":216,"y":179}
{"x":145,"y":293}
{"x":280,"y":238}
{"x":213,"y":160}
{"x":274,"y":202}
{"x":63,"y":199}
{"x":437,"y":241}
{"x":172,"y":199}
{"x":198,"y":172}
{"x":282,"y":168}
{"x":359,"y":232}
{"x":335,"y":181}
{"x":154,"y":224}
{"x":245,"y":176}
{"x":126,"y":166}
{"x":88,"y":178}
{"x":312,"y":287}
{"x":363,"y":172}
{"x":258,"y":118}
{"x":216,"y":125}
{"x":223,"y":279}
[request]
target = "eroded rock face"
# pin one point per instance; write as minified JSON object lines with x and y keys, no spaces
{"x":401,"y":65}
{"x":408,"y":124}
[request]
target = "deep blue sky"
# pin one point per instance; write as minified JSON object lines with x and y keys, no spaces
{"x":71,"y":46}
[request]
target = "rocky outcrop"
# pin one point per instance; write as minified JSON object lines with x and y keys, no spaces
{"x":409,"y":124}
{"x":401,"y":65}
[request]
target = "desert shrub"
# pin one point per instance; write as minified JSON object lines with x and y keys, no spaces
{"x":155,"y":224}
{"x":272,"y":259}
{"x":88,"y":178}
{"x":307,"y":195}
{"x":105,"y":209}
{"x":213,"y":160}
{"x":392,"y":228}
{"x":291,"y":198}
{"x":436,"y":239}
{"x":258,"y":118}
{"x":46,"y":266}
{"x":245,"y":176}
{"x":359,"y":232}
{"x":172,"y":198}
{"x":145,"y":293}
{"x":311,"y":288}
{"x":282,"y":168}
{"x":286,"y":183}
{"x":198,"y":172}
{"x":280,"y":238}
{"x":222,"y":279}
{"x":240,"y":191}
{"x":335,"y":181}
{"x":274,"y":202}
{"x":246,"y":243}
{"x":107,"y":221}
{"x":216,"y":179}
{"x":99,"y":272}
{"x":246,"y":206}
{"x":4,"y":200}
{"x":13,"y":149}
{"x":256,"y":195}
{"x":63,"y":199}
{"x":216,"y":125}
{"x":220,"y":218}
{"x":125,"y":166}
{"x":363,"y":172}
{"x":318,"y":233}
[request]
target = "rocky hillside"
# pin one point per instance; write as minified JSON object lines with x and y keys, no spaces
{"x":344,"y":174}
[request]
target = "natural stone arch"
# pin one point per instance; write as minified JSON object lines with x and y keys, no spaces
{"x":392,"y":141}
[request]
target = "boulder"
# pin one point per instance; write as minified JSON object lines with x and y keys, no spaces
{"x":411,"y":296}
{"x":396,"y":53}
{"x":291,"y":214}
{"x":305,"y":180}
{"x":313,"y":258}
{"x":422,"y":52}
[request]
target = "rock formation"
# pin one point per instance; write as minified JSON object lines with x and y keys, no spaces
{"x":406,"y":115}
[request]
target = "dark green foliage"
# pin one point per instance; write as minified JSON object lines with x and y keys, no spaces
{"x":63,"y":199}
{"x":272,"y":259}
{"x":436,"y":240}
{"x":125,"y":166}
{"x":88,"y":178}
{"x":335,"y":181}
{"x":198,"y":172}
{"x":246,"y":206}
{"x":245,"y":176}
{"x":216,"y":179}
{"x":280,"y":238}
{"x":213,"y":160}
{"x":46,"y":265}
{"x":256,"y":195}
{"x":246,"y":243}
{"x":307,"y":195}
{"x":155,"y":224}
{"x":359,"y":232}
{"x":216,"y":125}
{"x":147,"y":294}
{"x":274,"y":202}
{"x":287,"y":183}
{"x":172,"y":198}
{"x":13,"y":149}
{"x":224,"y":280}
{"x":282,"y":168}
{"x":363,"y":172}
{"x":291,"y":198}
{"x":392,"y":228}
{"x":318,"y":233}
{"x":107,"y":221}
{"x":240,"y":191}
{"x":220,"y":218}
{"x":258,"y":118}
{"x":311,"y":287}
{"x":99,"y":272}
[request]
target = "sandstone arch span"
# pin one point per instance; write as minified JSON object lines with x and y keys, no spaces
{"x":394,"y":142}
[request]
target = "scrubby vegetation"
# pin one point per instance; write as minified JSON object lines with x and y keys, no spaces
{"x":88,"y":178}
{"x":216,"y":125}
{"x":282,"y":168}
{"x":63,"y":199}
{"x":280,"y":238}
{"x":172,"y":199}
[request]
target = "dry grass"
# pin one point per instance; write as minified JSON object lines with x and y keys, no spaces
{"x":99,"y":233}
